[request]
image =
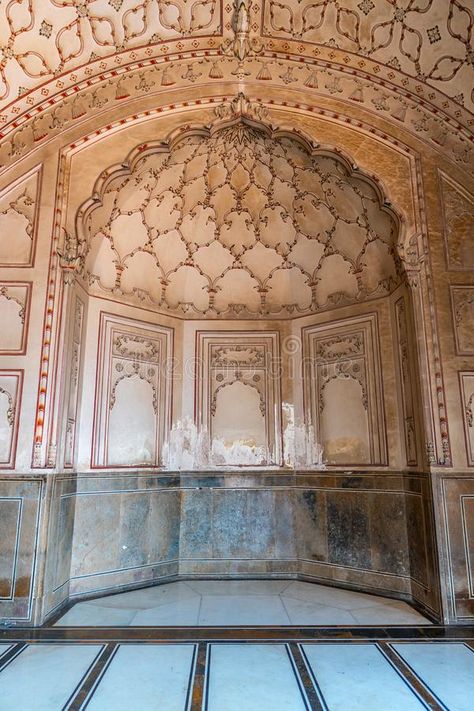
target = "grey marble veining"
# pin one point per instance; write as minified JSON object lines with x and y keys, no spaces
{"x":114,"y":531}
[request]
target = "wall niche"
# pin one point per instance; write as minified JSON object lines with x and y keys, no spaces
{"x":238,"y":395}
{"x":132,"y":405}
{"x":343,"y":389}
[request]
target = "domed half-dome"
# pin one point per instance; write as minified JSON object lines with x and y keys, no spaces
{"x":238,"y":221}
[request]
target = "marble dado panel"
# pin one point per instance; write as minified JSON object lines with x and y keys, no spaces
{"x":60,"y":514}
{"x":458,"y":500}
{"x":133,"y":396}
{"x":19,"y":515}
{"x":232,"y":528}
{"x":466,"y":381}
{"x":462,"y":300}
{"x":118,"y":531}
{"x":344,"y":391}
{"x":371,"y":532}
{"x":15,"y":300}
{"x":19,"y":209}
{"x":112,"y":532}
{"x":126,"y":531}
{"x":237,"y":397}
{"x":11,"y":383}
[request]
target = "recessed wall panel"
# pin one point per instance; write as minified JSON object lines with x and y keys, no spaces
{"x":11,"y":382}
{"x":343,"y":391}
{"x":238,"y":395}
{"x":132,"y":393}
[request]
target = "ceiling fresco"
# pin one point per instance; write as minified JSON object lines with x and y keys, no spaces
{"x":427,"y":39}
{"x":41,"y":39}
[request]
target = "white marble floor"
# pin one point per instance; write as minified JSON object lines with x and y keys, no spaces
{"x":241,"y":603}
{"x":231,"y":676}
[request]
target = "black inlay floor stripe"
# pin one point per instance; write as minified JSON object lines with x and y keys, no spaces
{"x":82,"y":695}
{"x":241,"y":634}
{"x":306,"y":682}
{"x":198,"y":690}
{"x":11,"y":654}
{"x":410,"y":677}
{"x":312,"y":674}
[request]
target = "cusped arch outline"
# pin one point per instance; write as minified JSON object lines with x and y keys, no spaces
{"x":238,"y":114}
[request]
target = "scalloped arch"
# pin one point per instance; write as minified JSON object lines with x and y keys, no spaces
{"x":295,"y":226}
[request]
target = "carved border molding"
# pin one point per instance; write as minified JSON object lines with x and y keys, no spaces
{"x":125,"y":88}
{"x":73,"y":393}
{"x":407,"y":381}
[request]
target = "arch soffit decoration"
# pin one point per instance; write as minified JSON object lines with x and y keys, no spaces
{"x":240,"y":112}
{"x":420,"y":89}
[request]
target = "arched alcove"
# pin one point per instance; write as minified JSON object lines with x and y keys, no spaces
{"x":249,"y":319}
{"x":241,"y":221}
{"x":238,"y":220}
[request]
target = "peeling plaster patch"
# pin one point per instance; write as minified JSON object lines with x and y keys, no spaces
{"x":301,"y":451}
{"x":188,"y":448}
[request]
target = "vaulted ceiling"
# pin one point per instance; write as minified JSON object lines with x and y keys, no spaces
{"x":411,"y":60}
{"x":238,"y":220}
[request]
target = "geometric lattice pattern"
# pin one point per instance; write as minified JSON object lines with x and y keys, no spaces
{"x":239,"y":223}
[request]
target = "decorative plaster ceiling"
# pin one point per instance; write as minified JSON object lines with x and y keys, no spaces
{"x":238,"y":220}
{"x":430,"y":40}
{"x":41,"y":39}
{"x":63,"y":62}
{"x":427,"y":39}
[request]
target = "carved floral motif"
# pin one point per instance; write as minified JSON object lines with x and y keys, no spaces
{"x":130,"y":370}
{"x":431,"y":40}
{"x":463,"y":308}
{"x":237,"y":355}
{"x":7,"y":293}
{"x":353,"y":368}
{"x":469,"y":411}
{"x":137,"y":348}
{"x":18,"y":215}
{"x":11,"y":407}
{"x":340,"y":347}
